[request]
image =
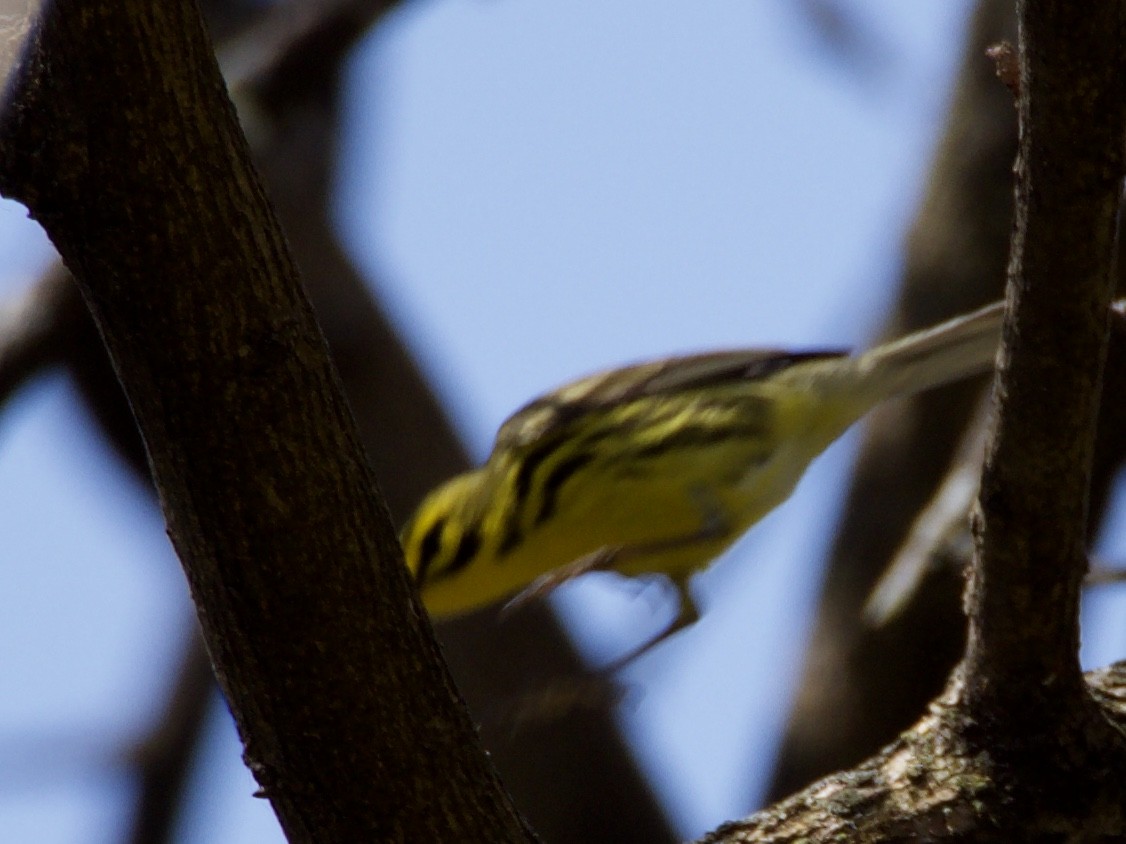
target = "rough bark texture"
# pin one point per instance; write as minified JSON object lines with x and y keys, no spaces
{"x":936,"y":782}
{"x":351,"y":724}
{"x":1023,"y":595}
{"x":861,"y":686}
{"x":286,"y":64}
{"x":1021,"y":747}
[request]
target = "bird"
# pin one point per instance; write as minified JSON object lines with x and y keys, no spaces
{"x":656,"y":468}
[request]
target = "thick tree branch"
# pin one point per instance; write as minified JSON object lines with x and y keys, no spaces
{"x":1021,"y":747}
{"x":1023,"y":596}
{"x":861,"y":686}
{"x":350,"y":722}
{"x":573,"y":764}
{"x":932,"y":784}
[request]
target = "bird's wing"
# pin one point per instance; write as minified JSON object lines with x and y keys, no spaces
{"x":551,"y":412}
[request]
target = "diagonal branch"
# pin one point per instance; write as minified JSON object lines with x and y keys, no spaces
{"x":326,"y":661}
{"x":576,"y":763}
{"x":162,"y":758}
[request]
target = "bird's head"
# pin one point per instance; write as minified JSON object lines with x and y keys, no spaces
{"x":444,"y":534}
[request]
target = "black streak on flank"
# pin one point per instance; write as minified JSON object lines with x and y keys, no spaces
{"x":512,"y":533}
{"x":467,"y":549}
{"x":428,"y":549}
{"x":528,"y":466}
{"x":510,"y":539}
{"x":555,"y":480}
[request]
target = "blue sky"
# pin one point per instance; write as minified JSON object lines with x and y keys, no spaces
{"x":543,"y":189}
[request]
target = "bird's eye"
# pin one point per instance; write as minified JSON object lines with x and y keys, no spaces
{"x":428,"y":549}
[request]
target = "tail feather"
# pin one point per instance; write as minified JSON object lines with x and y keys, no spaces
{"x":952,"y":350}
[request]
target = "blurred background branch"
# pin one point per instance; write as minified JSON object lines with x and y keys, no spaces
{"x":861,"y":686}
{"x":570,"y":279}
{"x":287,"y":61}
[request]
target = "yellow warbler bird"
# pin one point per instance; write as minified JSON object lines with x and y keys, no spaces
{"x":659,"y":467}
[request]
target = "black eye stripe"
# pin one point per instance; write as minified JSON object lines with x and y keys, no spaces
{"x":428,"y":549}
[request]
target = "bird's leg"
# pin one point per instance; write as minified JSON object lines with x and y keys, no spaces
{"x":599,"y":689}
{"x":593,"y":690}
{"x":600,"y":560}
{"x":713,"y":525}
{"x":687,"y":615}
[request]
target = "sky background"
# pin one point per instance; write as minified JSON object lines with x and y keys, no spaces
{"x":605,"y":181}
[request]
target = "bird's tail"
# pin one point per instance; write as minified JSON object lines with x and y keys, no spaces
{"x":949,"y":351}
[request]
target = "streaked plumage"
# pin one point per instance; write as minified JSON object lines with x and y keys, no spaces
{"x":659,"y":467}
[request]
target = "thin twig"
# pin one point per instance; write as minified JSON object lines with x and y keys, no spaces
{"x":937,"y":527}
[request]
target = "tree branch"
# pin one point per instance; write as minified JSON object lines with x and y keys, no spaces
{"x":861,"y":686}
{"x":162,"y":758}
{"x":1023,"y":596}
{"x":931,"y":784}
{"x":573,"y":764}
{"x":1020,"y":746}
{"x":351,"y":724}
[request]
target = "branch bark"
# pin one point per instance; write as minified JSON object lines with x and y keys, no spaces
{"x":560,"y":768}
{"x":1023,"y":594}
{"x":1021,"y":746}
{"x":934,"y":784}
{"x":351,"y":724}
{"x":286,"y":63}
{"x":861,"y":686}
